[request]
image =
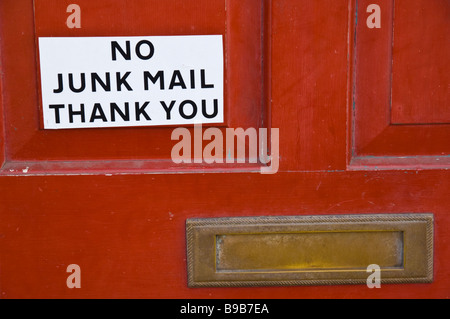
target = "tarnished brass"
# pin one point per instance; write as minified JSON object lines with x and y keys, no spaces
{"x":309,"y":250}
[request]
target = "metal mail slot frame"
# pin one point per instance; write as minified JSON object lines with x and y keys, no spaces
{"x":309,"y":250}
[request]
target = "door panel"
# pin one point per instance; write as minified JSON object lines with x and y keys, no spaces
{"x":125,"y":149}
{"x":112,"y":202}
{"x":420,"y":64}
{"x":401,"y":85}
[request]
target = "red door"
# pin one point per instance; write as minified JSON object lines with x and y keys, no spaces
{"x":359,"y":94}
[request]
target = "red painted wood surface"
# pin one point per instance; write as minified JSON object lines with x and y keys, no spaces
{"x":240,"y":22}
{"x":127,"y":231}
{"x":421,"y":71}
{"x":309,"y":82}
{"x":392,"y":67}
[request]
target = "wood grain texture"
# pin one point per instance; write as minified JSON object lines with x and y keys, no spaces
{"x":309,"y":82}
{"x":421,"y":70}
{"x":373,"y":61}
{"x":378,"y":87}
{"x":240,"y":22}
{"x":127,"y":233}
{"x":2,"y":126}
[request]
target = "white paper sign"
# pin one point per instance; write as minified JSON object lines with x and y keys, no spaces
{"x":89,"y":82}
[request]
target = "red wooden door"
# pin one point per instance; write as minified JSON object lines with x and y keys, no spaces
{"x":363,"y":115}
